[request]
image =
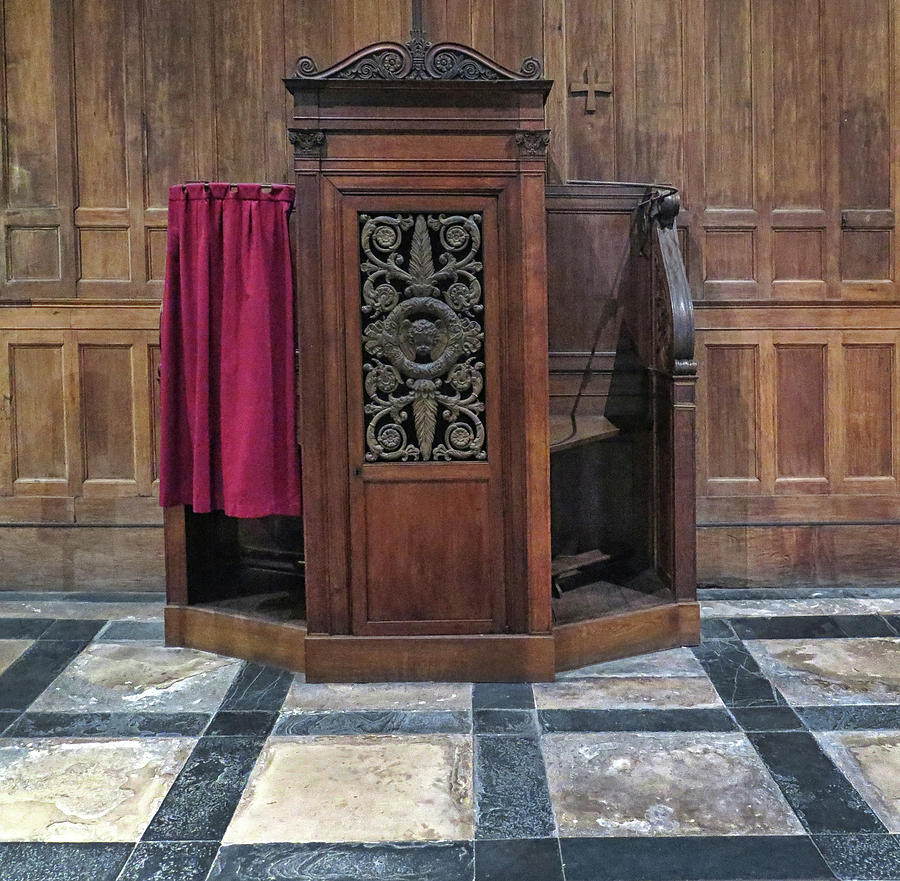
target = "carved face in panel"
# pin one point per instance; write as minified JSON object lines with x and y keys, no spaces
{"x":422,"y":339}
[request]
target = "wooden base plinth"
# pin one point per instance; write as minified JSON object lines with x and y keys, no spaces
{"x":631,"y":633}
{"x":480,"y":658}
{"x":243,"y":636}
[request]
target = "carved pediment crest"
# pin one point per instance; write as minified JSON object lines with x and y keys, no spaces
{"x":419,"y":59}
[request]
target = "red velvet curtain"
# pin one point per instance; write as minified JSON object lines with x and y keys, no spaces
{"x":228,"y":352}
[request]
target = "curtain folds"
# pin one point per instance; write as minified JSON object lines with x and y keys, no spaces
{"x":227,"y":378}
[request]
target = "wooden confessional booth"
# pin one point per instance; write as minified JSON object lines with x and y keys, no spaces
{"x":435,"y":407}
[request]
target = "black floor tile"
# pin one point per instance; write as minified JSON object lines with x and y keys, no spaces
{"x":170,"y":861}
{"x":523,"y":859}
{"x":511,"y":795}
{"x":76,"y":629}
{"x":40,"y":861}
{"x":375,"y":722}
{"x":7,"y":717}
{"x":249,"y":723}
{"x":23,"y":628}
{"x":34,"y":670}
{"x":698,"y":858}
{"x":850,"y":718}
{"x":700,"y":719}
{"x":84,"y":596}
{"x":444,"y":861}
{"x":874,"y":857}
{"x":822,"y":798}
{"x":767,"y":719}
{"x":502,"y":696}
{"x":258,"y":687}
{"x":505,"y":722}
{"x":863,"y":625}
{"x":202,"y":799}
{"x":126,"y":631}
{"x":735,"y":675}
{"x":715,"y":628}
{"x":787,"y":627}
{"x":893,"y":622}
{"x":109,"y":725}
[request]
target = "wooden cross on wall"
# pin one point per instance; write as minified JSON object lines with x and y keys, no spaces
{"x":590,"y":87}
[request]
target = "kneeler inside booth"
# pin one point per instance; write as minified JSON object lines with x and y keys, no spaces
{"x":496,"y":399}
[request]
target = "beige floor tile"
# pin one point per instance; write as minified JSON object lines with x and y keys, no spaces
{"x":11,"y":649}
{"x":139,"y":677}
{"x":824,"y":671}
{"x":666,"y":784}
{"x":672,"y":662}
{"x":379,"y":696}
{"x":361,"y":788}
{"x":85,"y":790}
{"x":627,"y":693}
{"x":871,"y":762}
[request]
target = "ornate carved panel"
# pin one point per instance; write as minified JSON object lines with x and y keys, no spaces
{"x":422,"y":337}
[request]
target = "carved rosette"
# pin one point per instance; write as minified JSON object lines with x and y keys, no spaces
{"x":533,"y":144}
{"x":308,"y":143}
{"x":422,"y":334}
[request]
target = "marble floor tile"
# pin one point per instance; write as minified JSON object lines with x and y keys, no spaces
{"x":378,"y":696}
{"x":365,"y":788}
{"x":627,"y":693}
{"x":870,"y":760}
{"x":395,"y":861}
{"x":832,"y":671}
{"x":808,"y":606}
{"x":100,"y":790}
{"x":123,"y":631}
{"x":668,"y":679}
{"x":10,"y":649}
{"x":137,"y":677}
{"x":672,"y":662}
{"x":73,"y":609}
{"x":663,"y":784}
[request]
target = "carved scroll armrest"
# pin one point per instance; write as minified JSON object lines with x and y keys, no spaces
{"x":673,"y":311}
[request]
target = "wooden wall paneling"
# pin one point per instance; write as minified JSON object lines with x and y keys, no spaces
{"x":589,"y":64}
{"x":735,"y":414}
{"x":801,"y":421}
{"x":555,"y":110}
{"x":864,"y":148}
{"x":177,"y":117}
{"x":730,"y":192}
{"x":505,"y":30}
{"x":653,"y":39}
{"x":868,"y":401}
{"x":802,"y":216}
{"x":36,"y":225}
{"x":115,"y":397}
{"x":112,"y":256}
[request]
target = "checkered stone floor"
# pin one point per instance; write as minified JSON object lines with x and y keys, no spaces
{"x":770,"y":751}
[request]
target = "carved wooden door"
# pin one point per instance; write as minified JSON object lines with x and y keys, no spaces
{"x":422,"y":311}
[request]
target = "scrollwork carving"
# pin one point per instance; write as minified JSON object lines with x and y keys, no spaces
{"x":418,"y":59}
{"x":422,"y":334}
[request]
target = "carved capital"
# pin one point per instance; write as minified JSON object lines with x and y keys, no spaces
{"x":308,"y":143}
{"x":533,"y":144}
